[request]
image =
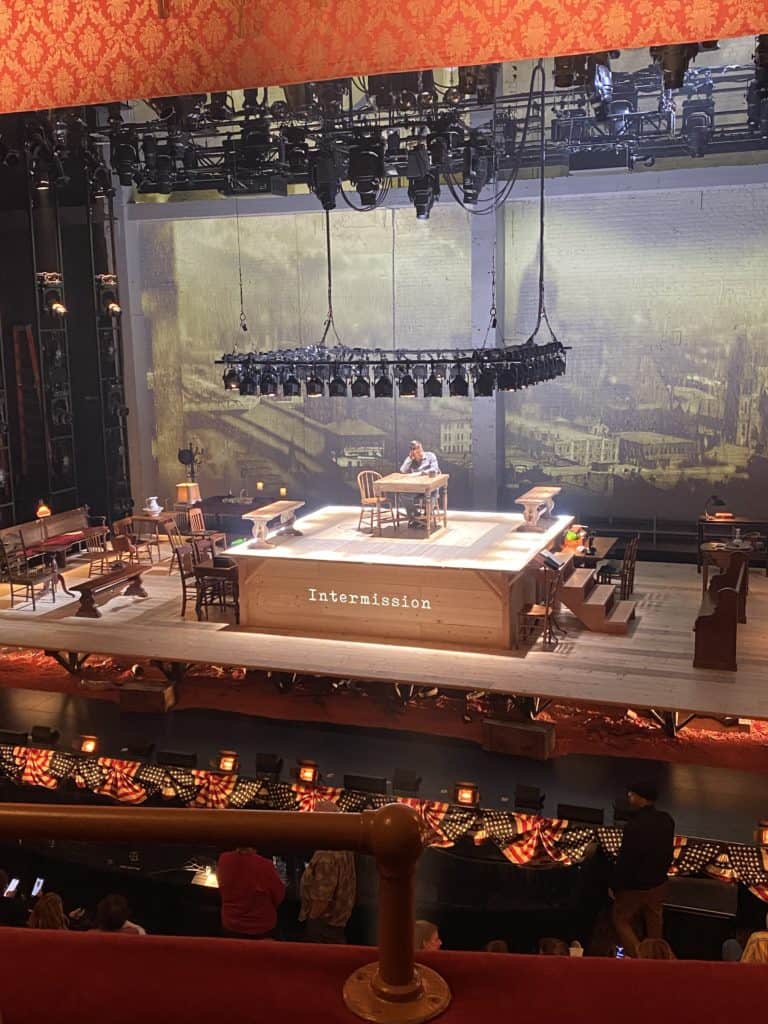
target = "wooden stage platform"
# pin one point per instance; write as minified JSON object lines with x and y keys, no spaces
{"x":650,"y":667}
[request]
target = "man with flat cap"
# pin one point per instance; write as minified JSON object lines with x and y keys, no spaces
{"x":640,"y":876}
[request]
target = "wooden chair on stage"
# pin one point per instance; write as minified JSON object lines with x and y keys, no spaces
{"x":540,"y":617}
{"x":175,"y":539}
{"x":127,"y":528}
{"x":623,"y":574}
{"x":197,"y":528}
{"x":124,"y":550}
{"x":186,"y":563}
{"x":373,"y":504}
{"x":16,"y":571}
{"x":96,"y":551}
{"x":202,"y":549}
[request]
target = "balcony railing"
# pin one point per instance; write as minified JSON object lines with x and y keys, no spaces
{"x":392,"y":989}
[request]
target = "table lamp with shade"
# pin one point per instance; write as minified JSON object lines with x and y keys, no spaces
{"x":43,"y":510}
{"x":713,"y":502}
{"x":188,"y":493}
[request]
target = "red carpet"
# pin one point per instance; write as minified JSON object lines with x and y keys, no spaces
{"x":595,"y":730}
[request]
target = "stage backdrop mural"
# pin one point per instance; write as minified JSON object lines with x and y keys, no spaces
{"x":660,"y":293}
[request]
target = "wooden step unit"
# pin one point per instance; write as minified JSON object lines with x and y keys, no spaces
{"x":594,"y":603}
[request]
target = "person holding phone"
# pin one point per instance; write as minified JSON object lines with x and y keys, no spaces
{"x":13,"y":909}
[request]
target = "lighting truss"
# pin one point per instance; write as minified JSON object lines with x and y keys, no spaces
{"x":340,"y":371}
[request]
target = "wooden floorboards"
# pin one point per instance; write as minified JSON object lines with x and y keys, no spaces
{"x":651,"y":667}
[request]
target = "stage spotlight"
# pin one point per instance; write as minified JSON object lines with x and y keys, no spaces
{"x":698,"y":125}
{"x":366,"y":168}
{"x":291,"y":386}
{"x":9,"y":738}
{"x":138,"y":749}
{"x":106,"y":287}
{"x":125,"y":157}
{"x":308,"y":772}
{"x":218,"y":108}
{"x":361,"y":387}
{"x":433,"y":386}
{"x":405,"y":782}
{"x":337,"y":387}
{"x":44,"y":736}
{"x":508,"y":377}
{"x":466,"y":793}
{"x":51,"y":286}
{"x":423,"y":182}
{"x":227,"y":761}
{"x":459,"y":385}
{"x":485,"y":381}
{"x":249,"y":383}
{"x":88,"y":744}
{"x":366,"y":784}
{"x":382,"y":387}
{"x":325,"y":175}
{"x":407,"y":387}
{"x":580,"y":815}
{"x":268,"y":384}
{"x":314,"y":387}
{"x":476,"y":172}
{"x":269,"y":765}
{"x":674,"y":61}
{"x":231,"y":379}
{"x":528,"y":799}
{"x":452,"y":96}
{"x":176,"y":759}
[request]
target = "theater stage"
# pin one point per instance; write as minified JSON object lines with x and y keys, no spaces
{"x":465,"y":585}
{"x":651,"y":667}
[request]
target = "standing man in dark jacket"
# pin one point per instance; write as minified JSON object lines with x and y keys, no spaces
{"x":640,"y":877}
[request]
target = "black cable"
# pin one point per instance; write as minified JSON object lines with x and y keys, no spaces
{"x":243,"y":321}
{"x":329,"y":323}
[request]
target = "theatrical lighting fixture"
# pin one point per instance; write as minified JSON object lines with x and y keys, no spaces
{"x":106,"y":286}
{"x":361,"y":387}
{"x":466,"y":793}
{"x":44,"y":736}
{"x":433,"y":386}
{"x":382,"y":386}
{"x":176,"y":759}
{"x":9,"y":738}
{"x":308,"y":772}
{"x":337,"y":387}
{"x":477,"y":171}
{"x":528,"y":799}
{"x":674,"y":61}
{"x":125,"y":156}
{"x":218,"y":108}
{"x":405,"y":782}
{"x":88,"y":744}
{"x":582,"y":815}
{"x":423,"y":182}
{"x":485,"y":382}
{"x":231,"y":379}
{"x":269,"y":765}
{"x":291,"y":386}
{"x":227,"y":761}
{"x":325,"y":169}
{"x":249,"y":383}
{"x":51,"y":287}
{"x":268,"y":384}
{"x":366,"y":168}
{"x":458,"y":386}
{"x":314,"y":387}
{"x":698,"y":124}
{"x":407,"y":386}
{"x":366,"y":784}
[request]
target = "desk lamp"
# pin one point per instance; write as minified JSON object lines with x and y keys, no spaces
{"x":713,"y":502}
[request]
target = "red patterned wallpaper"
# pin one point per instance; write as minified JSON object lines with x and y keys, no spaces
{"x":66,"y":52}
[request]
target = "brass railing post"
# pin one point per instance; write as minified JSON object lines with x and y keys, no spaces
{"x":393,"y":989}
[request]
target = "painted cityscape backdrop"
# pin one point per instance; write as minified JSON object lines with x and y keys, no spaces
{"x":661,"y":295}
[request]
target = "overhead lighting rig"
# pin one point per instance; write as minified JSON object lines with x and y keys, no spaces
{"x":50,"y":284}
{"x":106,"y":290}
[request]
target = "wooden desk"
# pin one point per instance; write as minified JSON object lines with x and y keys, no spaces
{"x":722,"y":529}
{"x":603,"y":547}
{"x":414,"y":483}
{"x":721,"y":555}
{"x":538,"y":502}
{"x":260,"y":518}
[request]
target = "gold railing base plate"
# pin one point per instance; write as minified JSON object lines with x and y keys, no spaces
{"x":361,"y":998}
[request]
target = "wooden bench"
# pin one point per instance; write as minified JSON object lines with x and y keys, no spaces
{"x":722,"y":608}
{"x":62,"y":530}
{"x":88,"y":589}
{"x":260,"y":518}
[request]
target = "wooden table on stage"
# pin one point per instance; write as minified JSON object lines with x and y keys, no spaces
{"x":260,"y":518}
{"x":415,"y":483}
{"x":603,"y":547}
{"x":710,"y":529}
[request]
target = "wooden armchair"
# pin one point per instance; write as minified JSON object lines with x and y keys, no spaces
{"x":17,"y":572}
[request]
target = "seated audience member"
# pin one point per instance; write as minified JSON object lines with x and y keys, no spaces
{"x":13,"y":910}
{"x":426,"y":936}
{"x":733,"y":946}
{"x":756,"y":949}
{"x":251,"y":891}
{"x":552,"y":947}
{"x":48,"y":912}
{"x":112,"y":916}
{"x":655,"y":949}
{"x":575,"y":948}
{"x":328,"y":890}
{"x":496,"y":946}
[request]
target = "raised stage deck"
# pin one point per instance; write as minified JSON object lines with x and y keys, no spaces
{"x":651,"y":667}
{"x":464,"y":585}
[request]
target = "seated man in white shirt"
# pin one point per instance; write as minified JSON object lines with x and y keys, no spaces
{"x":424,"y":463}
